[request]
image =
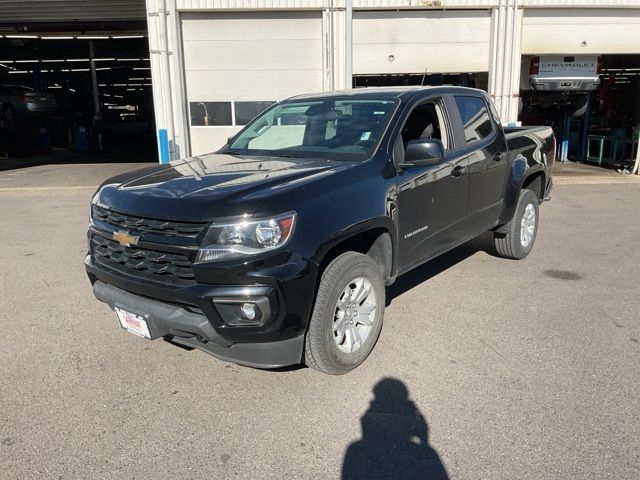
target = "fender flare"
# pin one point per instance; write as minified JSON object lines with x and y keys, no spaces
{"x":383,"y":247}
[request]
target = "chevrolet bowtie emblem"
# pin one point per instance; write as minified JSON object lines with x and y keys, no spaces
{"x":123,"y":238}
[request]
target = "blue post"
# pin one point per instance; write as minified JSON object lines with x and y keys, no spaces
{"x":584,"y":133}
{"x":564,"y":149}
{"x":163,"y":139}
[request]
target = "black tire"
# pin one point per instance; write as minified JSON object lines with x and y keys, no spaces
{"x":8,"y":113}
{"x":510,"y":245}
{"x":321,"y":350}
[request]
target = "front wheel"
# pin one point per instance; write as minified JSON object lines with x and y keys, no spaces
{"x":522,"y":229}
{"x":347,"y":315}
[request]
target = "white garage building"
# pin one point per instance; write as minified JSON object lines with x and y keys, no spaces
{"x":217,"y":63}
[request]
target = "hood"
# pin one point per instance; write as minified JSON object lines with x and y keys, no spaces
{"x":210,"y":186}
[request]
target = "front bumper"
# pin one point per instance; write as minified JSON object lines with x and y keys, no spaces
{"x":191,"y":329}
{"x":204,"y":314}
{"x":565,"y":84}
{"x":41,"y":107}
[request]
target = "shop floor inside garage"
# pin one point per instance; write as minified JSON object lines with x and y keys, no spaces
{"x":124,"y":153}
{"x":574,"y":169}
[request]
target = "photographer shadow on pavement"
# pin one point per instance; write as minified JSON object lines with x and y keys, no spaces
{"x":395,"y":442}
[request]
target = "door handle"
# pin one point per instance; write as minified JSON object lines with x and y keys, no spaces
{"x":457,"y":171}
{"x":498,"y":156}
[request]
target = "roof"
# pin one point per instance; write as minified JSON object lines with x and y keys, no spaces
{"x":384,"y":92}
{"x":17,"y":13}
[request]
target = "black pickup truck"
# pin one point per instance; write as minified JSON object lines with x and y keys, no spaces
{"x":276,"y":249}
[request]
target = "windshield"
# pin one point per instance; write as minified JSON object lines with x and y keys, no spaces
{"x":337,"y":129}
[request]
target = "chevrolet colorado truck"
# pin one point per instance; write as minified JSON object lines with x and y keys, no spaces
{"x":276,"y":249}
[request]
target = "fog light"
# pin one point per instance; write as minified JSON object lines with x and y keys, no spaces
{"x":248,"y":310}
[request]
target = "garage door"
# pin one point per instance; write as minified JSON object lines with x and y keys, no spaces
{"x":236,"y":64}
{"x":412,"y":41}
{"x":595,"y":31}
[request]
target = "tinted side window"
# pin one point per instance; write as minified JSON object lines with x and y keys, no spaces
{"x":475,"y":118}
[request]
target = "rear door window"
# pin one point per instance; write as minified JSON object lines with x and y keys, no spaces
{"x":476,"y":121}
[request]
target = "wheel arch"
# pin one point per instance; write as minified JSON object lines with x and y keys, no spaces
{"x":535,"y":182}
{"x":375,"y":239}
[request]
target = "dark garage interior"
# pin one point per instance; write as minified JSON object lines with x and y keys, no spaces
{"x":598,"y":127}
{"x":76,"y":92}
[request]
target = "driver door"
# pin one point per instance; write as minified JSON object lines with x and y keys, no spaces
{"x":431,"y":199}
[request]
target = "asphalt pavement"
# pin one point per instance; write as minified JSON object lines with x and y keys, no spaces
{"x":485,"y":369}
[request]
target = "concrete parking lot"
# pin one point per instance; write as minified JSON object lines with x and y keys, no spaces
{"x":485,"y":369}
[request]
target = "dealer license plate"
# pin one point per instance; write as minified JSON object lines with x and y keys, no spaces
{"x":133,"y":323}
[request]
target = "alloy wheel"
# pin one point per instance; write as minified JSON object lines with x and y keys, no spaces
{"x":354,"y":315}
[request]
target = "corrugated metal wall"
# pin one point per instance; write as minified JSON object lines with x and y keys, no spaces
{"x":14,"y":12}
{"x":250,"y":4}
{"x":580,"y":3}
{"x":385,"y":4}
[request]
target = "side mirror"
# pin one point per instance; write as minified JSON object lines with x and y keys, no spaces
{"x":423,"y":152}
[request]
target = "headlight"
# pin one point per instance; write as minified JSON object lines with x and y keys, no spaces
{"x":245,"y":238}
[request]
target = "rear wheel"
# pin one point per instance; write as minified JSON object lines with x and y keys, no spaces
{"x":347,"y":316}
{"x":521,"y":230}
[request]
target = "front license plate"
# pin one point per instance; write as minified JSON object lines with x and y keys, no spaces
{"x":133,"y":323}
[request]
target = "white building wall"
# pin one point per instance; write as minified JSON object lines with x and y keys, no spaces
{"x":165,"y":53}
{"x":581,"y":31}
{"x":415,"y":41}
{"x":492,"y":36}
{"x":248,"y":56}
{"x":504,"y":74}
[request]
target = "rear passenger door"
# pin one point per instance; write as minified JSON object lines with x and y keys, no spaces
{"x":483,"y":140}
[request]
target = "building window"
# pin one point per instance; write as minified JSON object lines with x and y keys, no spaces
{"x":475,"y":118}
{"x":204,"y":114}
{"x":247,"y":111}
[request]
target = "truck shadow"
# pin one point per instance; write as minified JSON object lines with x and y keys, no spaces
{"x":395,"y":440}
{"x":413,"y":278}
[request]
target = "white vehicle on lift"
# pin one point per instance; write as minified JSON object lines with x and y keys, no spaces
{"x":578,"y":73}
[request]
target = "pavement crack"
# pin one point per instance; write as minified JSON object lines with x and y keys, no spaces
{"x":497,"y":352}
